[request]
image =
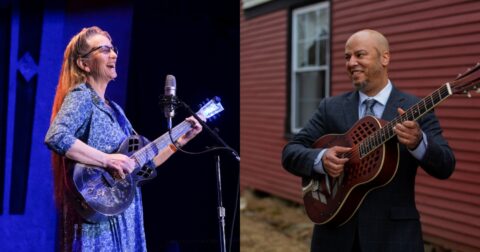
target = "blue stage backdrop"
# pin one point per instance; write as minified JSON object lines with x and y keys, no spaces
{"x":198,"y":42}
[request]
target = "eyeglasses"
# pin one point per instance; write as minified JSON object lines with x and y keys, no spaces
{"x":105,"y":49}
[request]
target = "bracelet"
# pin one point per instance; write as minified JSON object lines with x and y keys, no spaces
{"x":172,"y":147}
{"x":177,"y":144}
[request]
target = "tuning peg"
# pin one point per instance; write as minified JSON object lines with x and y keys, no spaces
{"x":478,"y":91}
{"x":469,"y":95}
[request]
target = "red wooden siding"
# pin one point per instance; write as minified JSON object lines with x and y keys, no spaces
{"x":263,"y":66}
{"x":431,"y":42}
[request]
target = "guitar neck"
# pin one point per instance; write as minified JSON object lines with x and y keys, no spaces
{"x":149,"y":151}
{"x":415,"y":112}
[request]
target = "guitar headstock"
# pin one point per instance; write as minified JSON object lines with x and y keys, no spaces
{"x":210,"y":108}
{"x":468,"y":81}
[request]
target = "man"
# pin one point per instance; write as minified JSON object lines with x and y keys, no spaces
{"x":387,"y":219}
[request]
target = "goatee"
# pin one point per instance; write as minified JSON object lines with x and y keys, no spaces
{"x":360,"y":86}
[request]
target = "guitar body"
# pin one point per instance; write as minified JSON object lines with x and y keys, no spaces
{"x":99,"y":195}
{"x":335,"y":201}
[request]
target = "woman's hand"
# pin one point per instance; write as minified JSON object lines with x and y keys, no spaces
{"x":86,"y":154}
{"x":196,"y":128}
{"x":119,"y":163}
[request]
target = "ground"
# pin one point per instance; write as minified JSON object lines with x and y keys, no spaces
{"x":270,"y":224}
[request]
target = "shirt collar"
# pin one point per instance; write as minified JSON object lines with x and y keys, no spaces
{"x":381,"y":97}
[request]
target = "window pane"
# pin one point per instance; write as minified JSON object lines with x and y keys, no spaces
{"x":312,"y":38}
{"x":310,"y":61}
{"x":312,"y":53}
{"x":323,"y":18}
{"x":322,"y":51}
{"x":301,"y":58}
{"x":310,"y":25}
{"x":301,"y":27}
{"x":310,"y":90}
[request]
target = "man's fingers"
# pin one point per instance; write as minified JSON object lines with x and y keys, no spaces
{"x":399,"y":127}
{"x":335,"y":172}
{"x":333,"y":169}
{"x":336,"y":167}
{"x":341,"y":149}
{"x":410,"y":124}
{"x":333,"y":159}
{"x":400,"y":130}
{"x":341,"y":161}
{"x":334,"y":175}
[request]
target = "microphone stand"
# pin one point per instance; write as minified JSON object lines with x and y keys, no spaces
{"x":220,"y":208}
{"x":173,"y":102}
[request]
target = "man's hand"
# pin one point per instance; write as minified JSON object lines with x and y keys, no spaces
{"x":408,"y":132}
{"x":332,"y":164}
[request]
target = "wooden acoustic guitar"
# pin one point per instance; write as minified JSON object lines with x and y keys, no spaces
{"x":373,"y":159}
{"x":98,"y":194}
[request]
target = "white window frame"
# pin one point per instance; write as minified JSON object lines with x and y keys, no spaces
{"x":294,"y":62}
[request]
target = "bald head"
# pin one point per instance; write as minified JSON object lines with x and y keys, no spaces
{"x":371,"y":36}
{"x":367,"y":57}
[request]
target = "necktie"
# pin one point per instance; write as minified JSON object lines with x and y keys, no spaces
{"x":369,"y":107}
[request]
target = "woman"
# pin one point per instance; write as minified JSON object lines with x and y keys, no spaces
{"x":87,"y":127}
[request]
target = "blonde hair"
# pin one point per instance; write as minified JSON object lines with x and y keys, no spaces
{"x":70,"y":76}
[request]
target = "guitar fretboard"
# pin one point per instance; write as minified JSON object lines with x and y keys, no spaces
{"x":384,"y":134}
{"x":149,"y":151}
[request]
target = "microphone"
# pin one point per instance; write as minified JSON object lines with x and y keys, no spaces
{"x":169,"y":95}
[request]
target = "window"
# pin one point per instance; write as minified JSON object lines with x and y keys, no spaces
{"x":310,"y":61}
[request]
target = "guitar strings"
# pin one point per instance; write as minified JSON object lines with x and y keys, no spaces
{"x":147,"y":152}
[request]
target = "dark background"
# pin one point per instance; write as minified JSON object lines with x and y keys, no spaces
{"x":198,"y":43}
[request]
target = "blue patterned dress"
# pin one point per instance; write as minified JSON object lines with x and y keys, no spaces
{"x":85,"y":116}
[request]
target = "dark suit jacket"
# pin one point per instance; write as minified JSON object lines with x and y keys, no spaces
{"x":388,"y":219}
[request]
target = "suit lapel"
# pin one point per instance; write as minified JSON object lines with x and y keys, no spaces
{"x":350,"y":107}
{"x":394,"y":101}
